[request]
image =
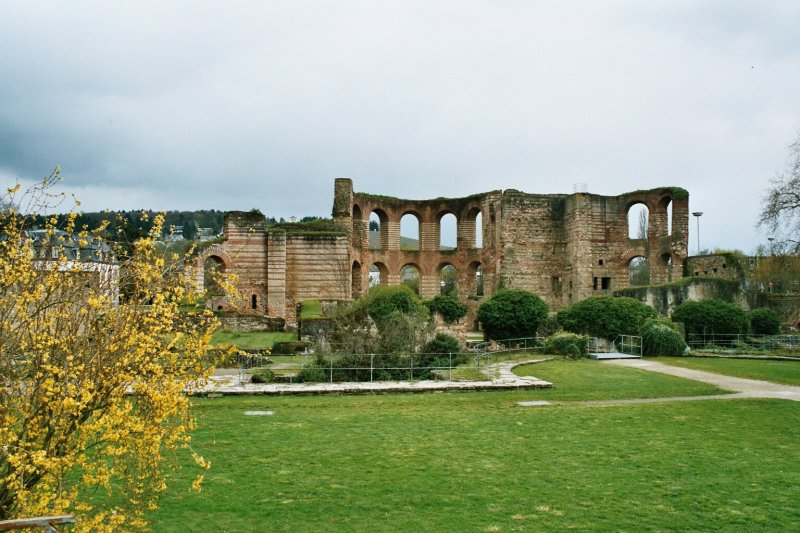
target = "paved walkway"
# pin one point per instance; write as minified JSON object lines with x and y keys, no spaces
{"x":744,"y":388}
{"x":499,"y":377}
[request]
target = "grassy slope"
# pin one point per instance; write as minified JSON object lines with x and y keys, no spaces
{"x":479,"y":462}
{"x":251,"y":339}
{"x":787,"y":372}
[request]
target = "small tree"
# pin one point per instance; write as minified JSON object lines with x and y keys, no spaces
{"x":512,"y":313}
{"x":605,"y":316}
{"x":764,"y":321}
{"x":450,"y":307}
{"x":442,"y":343}
{"x":780,"y":207}
{"x":92,"y":389}
{"x":711,"y":316}
{"x":384,"y":301}
{"x":660,"y":337}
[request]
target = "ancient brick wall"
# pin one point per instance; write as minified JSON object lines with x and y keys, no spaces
{"x":714,"y":266}
{"x":562,"y":247}
{"x":317,"y":268}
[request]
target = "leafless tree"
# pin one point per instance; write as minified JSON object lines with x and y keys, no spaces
{"x":780,"y":207}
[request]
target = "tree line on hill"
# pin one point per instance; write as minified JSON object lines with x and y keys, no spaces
{"x":129,"y":226}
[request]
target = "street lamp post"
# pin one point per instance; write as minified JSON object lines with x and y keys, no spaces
{"x":697,"y":215}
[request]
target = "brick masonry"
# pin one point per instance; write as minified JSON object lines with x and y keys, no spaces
{"x":562,"y":247}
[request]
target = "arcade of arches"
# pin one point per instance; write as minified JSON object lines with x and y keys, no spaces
{"x":562,"y":247}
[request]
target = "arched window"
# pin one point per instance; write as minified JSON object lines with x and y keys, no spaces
{"x":448,"y":280}
{"x":638,"y":272}
{"x":448,"y":232}
{"x":378,"y":274}
{"x":409,"y":232}
{"x":409,"y":275}
{"x":638,"y":221}
{"x":213,"y":271}
{"x":378,"y":230}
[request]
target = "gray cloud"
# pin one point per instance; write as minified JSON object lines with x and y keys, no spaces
{"x":254,"y":104}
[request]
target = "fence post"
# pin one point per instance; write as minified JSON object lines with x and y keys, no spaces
{"x":450,"y":356}
{"x":331,"y":369}
{"x":412,"y":367}
{"x":371,"y":366}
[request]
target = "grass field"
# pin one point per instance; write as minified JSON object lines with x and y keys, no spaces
{"x":254,"y":340}
{"x":479,"y":462}
{"x":787,"y":372}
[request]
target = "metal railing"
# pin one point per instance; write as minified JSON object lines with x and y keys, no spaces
{"x":738,"y":343}
{"x":627,"y":344}
{"x":337,"y":367}
{"x":486,"y":353}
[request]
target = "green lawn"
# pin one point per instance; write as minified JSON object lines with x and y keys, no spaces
{"x":787,"y":372}
{"x":586,"y":379}
{"x":253,"y":340}
{"x":479,"y":462}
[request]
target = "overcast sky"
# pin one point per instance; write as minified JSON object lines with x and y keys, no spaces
{"x":261,"y":104}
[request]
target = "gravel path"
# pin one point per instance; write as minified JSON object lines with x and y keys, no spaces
{"x":743,"y":388}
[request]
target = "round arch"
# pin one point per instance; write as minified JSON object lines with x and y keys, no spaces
{"x":410,"y":275}
{"x":638,"y":217}
{"x":378,"y":275}
{"x":638,"y":271}
{"x":448,"y":279}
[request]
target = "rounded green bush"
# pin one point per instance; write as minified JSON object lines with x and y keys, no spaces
{"x":442,"y":343}
{"x":659,"y":338}
{"x":512,"y":313}
{"x":567,"y":344}
{"x":450,"y":307}
{"x":263,"y":375}
{"x":384,"y":301}
{"x":605,"y":316}
{"x":312,"y":374}
{"x":711,"y":316}
{"x":764,"y":321}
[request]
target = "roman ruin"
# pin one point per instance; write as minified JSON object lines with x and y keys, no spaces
{"x":564,"y":247}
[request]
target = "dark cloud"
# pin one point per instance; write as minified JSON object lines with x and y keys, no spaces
{"x":251,"y":104}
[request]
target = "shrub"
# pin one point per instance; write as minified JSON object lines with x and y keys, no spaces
{"x":567,"y":344}
{"x":764,"y":321}
{"x":312,"y":374}
{"x":442,"y":343}
{"x":512,"y":313}
{"x":605,"y":316}
{"x":447,"y":305}
{"x":384,"y":301}
{"x":711,"y":316}
{"x":290,"y":347}
{"x":660,"y":338}
{"x":262,"y":375}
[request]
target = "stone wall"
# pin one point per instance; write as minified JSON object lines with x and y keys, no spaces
{"x":317,"y":268}
{"x":725,"y":266}
{"x":664,"y":298}
{"x":251,"y":322}
{"x":562,"y":247}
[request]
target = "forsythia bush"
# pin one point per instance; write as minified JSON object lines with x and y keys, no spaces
{"x":94,"y":361}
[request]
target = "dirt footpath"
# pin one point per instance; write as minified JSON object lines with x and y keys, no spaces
{"x":744,"y":388}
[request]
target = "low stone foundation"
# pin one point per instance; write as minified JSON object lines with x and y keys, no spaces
{"x":244,"y":322}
